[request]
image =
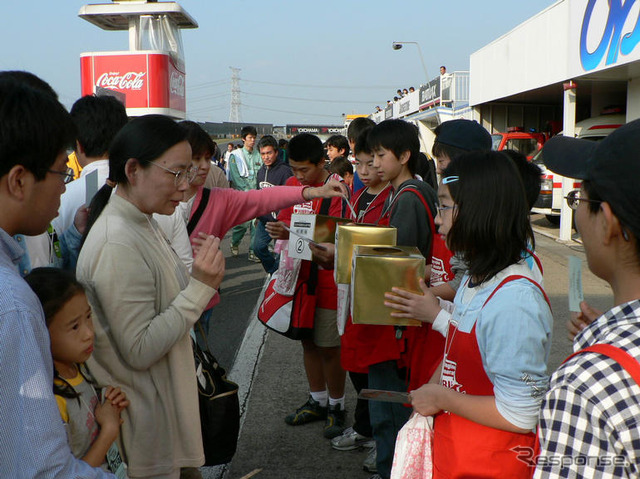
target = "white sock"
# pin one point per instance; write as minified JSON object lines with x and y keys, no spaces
{"x":333,"y":402}
{"x":320,"y":396}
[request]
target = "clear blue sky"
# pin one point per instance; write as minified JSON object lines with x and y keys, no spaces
{"x":340,"y":50}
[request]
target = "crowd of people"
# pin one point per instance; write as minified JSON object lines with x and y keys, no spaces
{"x":101,"y":291}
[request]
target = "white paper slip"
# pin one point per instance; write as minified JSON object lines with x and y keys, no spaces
{"x":576,"y":295}
{"x":303,"y":238}
{"x":91,"y":186}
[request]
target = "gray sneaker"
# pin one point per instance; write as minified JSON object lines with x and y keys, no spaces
{"x":369,"y":463}
{"x":350,"y":440}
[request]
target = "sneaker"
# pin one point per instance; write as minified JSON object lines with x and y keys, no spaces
{"x":369,"y":463}
{"x":334,"y":426}
{"x":308,"y":412}
{"x":350,"y":440}
{"x":235,"y":250}
{"x":253,"y":258}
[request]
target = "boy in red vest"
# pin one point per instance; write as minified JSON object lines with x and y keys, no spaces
{"x":321,"y":354}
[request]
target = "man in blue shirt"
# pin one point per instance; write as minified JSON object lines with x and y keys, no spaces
{"x":35,"y":132}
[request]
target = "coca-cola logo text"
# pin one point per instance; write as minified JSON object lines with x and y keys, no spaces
{"x":176,"y":84}
{"x":128,"y":81}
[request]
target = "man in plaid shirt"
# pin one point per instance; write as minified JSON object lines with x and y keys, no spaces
{"x":590,"y":418}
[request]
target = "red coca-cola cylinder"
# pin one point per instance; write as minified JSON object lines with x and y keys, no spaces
{"x":149,"y":81}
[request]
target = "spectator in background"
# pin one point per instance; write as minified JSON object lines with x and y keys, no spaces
{"x":343,"y":167}
{"x":283,"y":154}
{"x":274,"y":172}
{"x":411,"y":89}
{"x":244,"y":164}
{"x":399,"y":93}
{"x":443,"y":70}
{"x":337,"y":145}
{"x":36,"y":132}
{"x":405,"y":92}
{"x":216,"y":153}
{"x":389,"y":102}
{"x":395,"y":98}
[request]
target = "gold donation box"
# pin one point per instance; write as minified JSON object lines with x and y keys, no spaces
{"x":348,"y":236}
{"x":377,"y":269}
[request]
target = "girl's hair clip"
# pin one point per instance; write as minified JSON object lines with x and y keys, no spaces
{"x":450,"y":179}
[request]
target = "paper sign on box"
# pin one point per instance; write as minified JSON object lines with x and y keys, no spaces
{"x":319,"y":228}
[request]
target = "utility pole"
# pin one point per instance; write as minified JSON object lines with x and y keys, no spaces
{"x":234,"y":111}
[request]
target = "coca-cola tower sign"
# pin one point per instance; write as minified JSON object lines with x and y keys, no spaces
{"x":149,"y":81}
{"x":150,"y":76}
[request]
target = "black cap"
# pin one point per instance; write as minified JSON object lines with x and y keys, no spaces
{"x":612,"y":166}
{"x":464,"y":134}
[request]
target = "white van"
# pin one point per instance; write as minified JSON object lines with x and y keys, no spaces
{"x":550,"y":200}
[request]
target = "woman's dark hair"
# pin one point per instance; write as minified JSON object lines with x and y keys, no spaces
{"x":491,"y":226}
{"x":398,"y":136}
{"x":200,"y":141}
{"x":54,"y":287}
{"x":146,"y":139}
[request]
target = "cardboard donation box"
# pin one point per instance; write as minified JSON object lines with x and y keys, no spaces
{"x":305,"y":229}
{"x":348,"y":236}
{"x":377,"y":269}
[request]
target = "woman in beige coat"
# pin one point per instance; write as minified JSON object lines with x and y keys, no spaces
{"x":144,"y":300}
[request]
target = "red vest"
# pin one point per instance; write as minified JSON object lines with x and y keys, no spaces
{"x":463,"y":448}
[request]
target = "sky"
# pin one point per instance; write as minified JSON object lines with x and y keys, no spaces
{"x":301,"y":62}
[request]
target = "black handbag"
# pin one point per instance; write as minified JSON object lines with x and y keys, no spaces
{"x":219,"y":408}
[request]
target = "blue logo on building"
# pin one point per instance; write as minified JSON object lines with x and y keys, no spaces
{"x":612,"y":41}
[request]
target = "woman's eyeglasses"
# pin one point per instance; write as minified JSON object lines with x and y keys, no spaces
{"x":575,"y":197}
{"x":185,"y":174}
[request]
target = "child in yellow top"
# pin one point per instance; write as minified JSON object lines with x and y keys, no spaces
{"x":92,"y":425}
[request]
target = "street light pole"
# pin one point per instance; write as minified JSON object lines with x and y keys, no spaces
{"x":398,"y":46}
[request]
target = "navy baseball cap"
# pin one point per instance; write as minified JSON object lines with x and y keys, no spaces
{"x":612,"y":166}
{"x":467,"y":135}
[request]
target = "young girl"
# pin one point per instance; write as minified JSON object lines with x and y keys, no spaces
{"x":92,"y":426}
{"x":493,"y":374}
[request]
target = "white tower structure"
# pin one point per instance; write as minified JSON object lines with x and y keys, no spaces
{"x":234,"y":111}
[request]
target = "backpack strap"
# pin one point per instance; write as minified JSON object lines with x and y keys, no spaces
{"x":514,"y":277}
{"x":623,"y":358}
{"x":432,"y":224}
{"x":195,"y":217}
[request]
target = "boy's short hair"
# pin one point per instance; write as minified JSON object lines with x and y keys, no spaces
{"x":531,"y":175}
{"x":200,"y":141}
{"x":248,"y":130}
{"x":341,"y":166}
{"x":339,"y":142}
{"x":282,"y":143}
{"x":306,"y":147}
{"x":268,"y":140}
{"x":357,"y":126}
{"x":34,"y":128}
{"x":98,"y":119}
{"x":362,"y":144}
{"x":398,"y":136}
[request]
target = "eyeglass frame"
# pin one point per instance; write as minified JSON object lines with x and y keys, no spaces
{"x":442,"y":209}
{"x":68,"y":175}
{"x":190,"y":170}
{"x":573,"y":199}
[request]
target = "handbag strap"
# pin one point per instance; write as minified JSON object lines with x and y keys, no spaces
{"x":195,"y":217}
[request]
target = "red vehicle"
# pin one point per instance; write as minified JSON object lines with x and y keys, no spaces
{"x":527,"y":143}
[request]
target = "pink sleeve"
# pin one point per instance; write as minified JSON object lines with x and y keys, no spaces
{"x":232,"y":207}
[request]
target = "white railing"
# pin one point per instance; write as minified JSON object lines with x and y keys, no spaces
{"x":450,"y":90}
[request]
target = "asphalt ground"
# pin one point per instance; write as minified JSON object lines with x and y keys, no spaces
{"x":269,"y":369}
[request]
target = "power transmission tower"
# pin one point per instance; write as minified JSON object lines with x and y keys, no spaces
{"x":234,"y":111}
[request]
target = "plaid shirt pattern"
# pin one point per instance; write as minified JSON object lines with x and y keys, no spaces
{"x":590,"y":418}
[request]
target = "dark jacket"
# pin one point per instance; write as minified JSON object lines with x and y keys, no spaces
{"x":275,"y":175}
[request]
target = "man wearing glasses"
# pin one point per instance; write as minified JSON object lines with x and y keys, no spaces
{"x":590,"y":416}
{"x":36,"y":129}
